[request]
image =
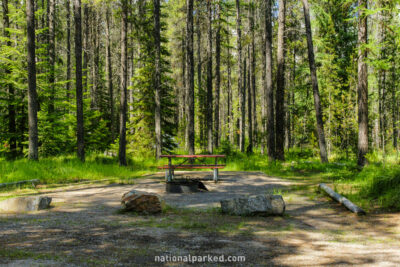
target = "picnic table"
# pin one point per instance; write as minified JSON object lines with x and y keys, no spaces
{"x":194,"y":162}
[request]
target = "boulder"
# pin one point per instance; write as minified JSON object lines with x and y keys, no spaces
{"x":263,"y":205}
{"x":141,"y":202}
{"x":22,"y":204}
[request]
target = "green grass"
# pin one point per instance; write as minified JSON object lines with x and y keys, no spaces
{"x":67,"y":169}
{"x":375,"y":186}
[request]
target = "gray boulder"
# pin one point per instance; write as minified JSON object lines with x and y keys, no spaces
{"x":22,"y":204}
{"x":263,"y":205}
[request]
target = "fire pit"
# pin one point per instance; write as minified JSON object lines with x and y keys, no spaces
{"x":185,"y":186}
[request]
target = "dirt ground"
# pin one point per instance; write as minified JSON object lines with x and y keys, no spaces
{"x":85,"y":228}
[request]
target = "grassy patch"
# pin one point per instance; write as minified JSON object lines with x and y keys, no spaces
{"x":15,"y":254}
{"x":67,"y":169}
{"x":376,"y":186}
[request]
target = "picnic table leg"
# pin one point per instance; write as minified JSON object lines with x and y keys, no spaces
{"x":215,"y":175}
{"x":216,"y":171}
{"x":169,"y":170}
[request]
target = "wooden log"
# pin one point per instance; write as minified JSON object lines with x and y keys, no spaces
{"x":34,"y":182}
{"x":341,"y":199}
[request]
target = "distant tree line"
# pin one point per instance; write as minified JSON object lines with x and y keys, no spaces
{"x":150,"y":77}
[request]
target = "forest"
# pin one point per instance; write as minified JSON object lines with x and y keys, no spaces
{"x":213,"y":132}
{"x":267,"y":82}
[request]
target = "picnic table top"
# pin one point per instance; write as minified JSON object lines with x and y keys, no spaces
{"x":192,"y":156}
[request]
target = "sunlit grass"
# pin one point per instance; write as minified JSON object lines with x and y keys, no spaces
{"x":64,"y":169}
{"x":375,"y":186}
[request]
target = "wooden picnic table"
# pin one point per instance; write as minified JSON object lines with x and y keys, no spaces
{"x":169,"y":173}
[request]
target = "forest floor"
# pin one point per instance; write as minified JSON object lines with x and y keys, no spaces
{"x":84,"y":227}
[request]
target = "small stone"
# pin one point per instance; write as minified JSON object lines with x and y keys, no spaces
{"x":141,"y":202}
{"x":263,"y":205}
{"x":23,"y":204}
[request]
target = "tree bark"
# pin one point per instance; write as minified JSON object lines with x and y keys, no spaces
{"x":264,"y":11}
{"x":96,"y":94}
{"x":190,"y":76}
{"x":249,"y":149}
{"x":240,"y":79}
{"x":109,"y":74}
{"x":229,"y":98}
{"x":11,"y":108}
{"x":280,"y":85}
{"x":395,"y":107}
{"x":201,"y":95}
{"x":269,"y":92}
{"x":86,"y":46}
{"x":68,"y":85}
{"x":362,"y":85}
{"x":199,"y":78}
{"x":314,"y":80}
{"x":209,"y":81}
{"x":157,"y":78}
{"x":78,"y":78}
{"x":32,"y":95}
{"x":124,"y":74}
{"x":217,"y":76}
{"x":51,"y":50}
{"x":253,"y":75}
{"x":182,"y":104}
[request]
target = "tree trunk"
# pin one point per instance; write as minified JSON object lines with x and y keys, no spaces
{"x":86,"y":46}
{"x":32,"y":95}
{"x":11,"y":108}
{"x":51,"y":50}
{"x":109,"y":74}
{"x":264,"y":11}
{"x":229,"y":98}
{"x":124,"y":74}
{"x":199,"y":82}
{"x":394,"y":107}
{"x":280,"y":84}
{"x":314,"y":80}
{"x":240,"y":79}
{"x":157,"y":78}
{"x":269,"y":92}
{"x":253,"y":75}
{"x":96,"y":58}
{"x":362,"y":85}
{"x":209,"y":81}
{"x":190,"y":76}
{"x":249,"y":149}
{"x":182,"y":102}
{"x":68,"y":85}
{"x":217,"y":76}
{"x":78,"y":78}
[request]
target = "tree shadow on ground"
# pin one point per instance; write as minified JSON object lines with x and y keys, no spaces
{"x":92,"y":232}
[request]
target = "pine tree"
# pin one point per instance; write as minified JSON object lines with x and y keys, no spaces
{"x":280,"y":86}
{"x":314,"y":80}
{"x":32,"y":95}
{"x":78,"y":81}
{"x":362,"y":86}
{"x":123,"y":89}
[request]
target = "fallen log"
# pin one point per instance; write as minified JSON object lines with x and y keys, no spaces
{"x":33,"y":182}
{"x":341,"y":199}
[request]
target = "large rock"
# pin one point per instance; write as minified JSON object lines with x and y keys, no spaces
{"x":22,"y":204}
{"x":141,"y":202}
{"x":263,"y":205}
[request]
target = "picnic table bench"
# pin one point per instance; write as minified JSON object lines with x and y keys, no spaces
{"x":191,"y":159}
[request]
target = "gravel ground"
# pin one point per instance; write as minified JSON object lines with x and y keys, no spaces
{"x":85,"y":228}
